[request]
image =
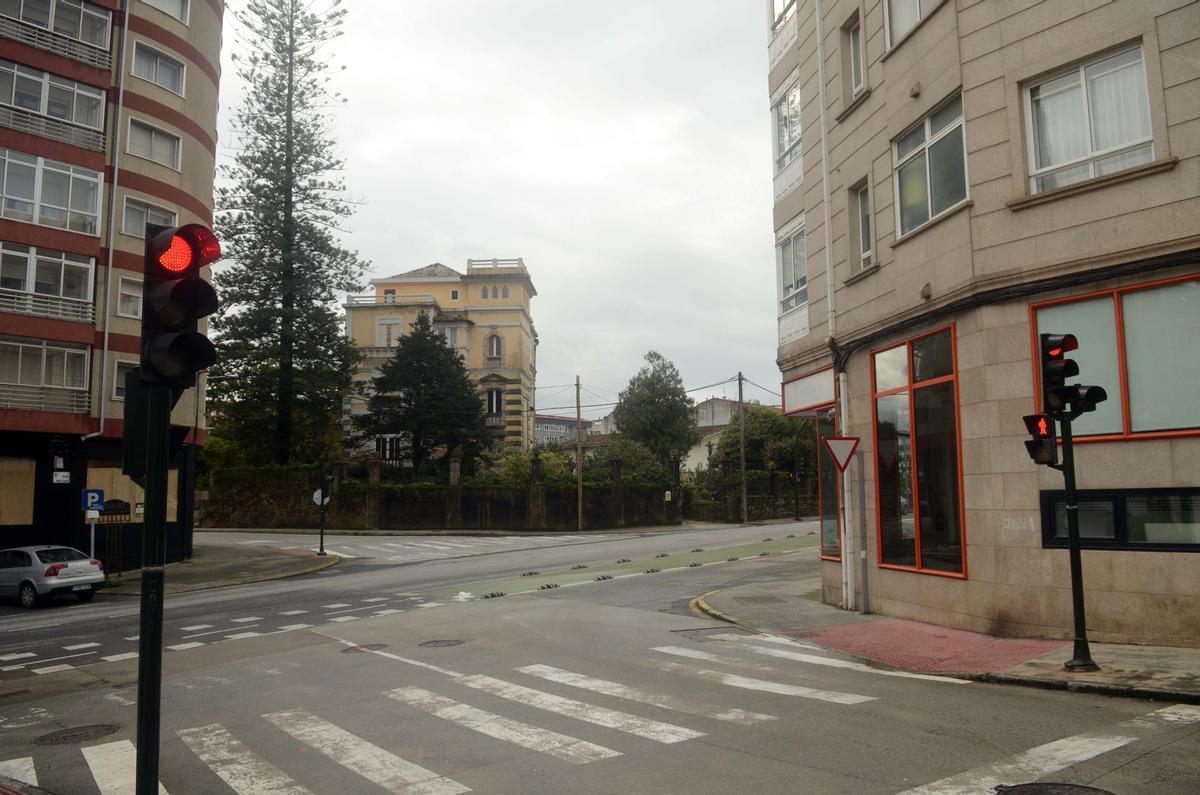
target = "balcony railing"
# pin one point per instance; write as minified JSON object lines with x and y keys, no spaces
{"x":54,"y":42}
{"x":46,"y":127}
{"x":390,"y":300}
{"x":494,"y":420}
{"x":44,"y":398}
{"x":46,"y":306}
{"x":493,"y":361}
{"x":492,"y":264}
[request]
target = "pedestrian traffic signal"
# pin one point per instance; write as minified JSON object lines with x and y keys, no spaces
{"x":1056,"y":369}
{"x":174,"y":298}
{"x":1043,"y":447}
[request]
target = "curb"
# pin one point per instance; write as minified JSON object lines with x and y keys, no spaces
{"x":332,"y":560}
{"x":701,"y":607}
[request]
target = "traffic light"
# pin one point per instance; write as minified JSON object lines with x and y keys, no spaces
{"x":1043,"y":447}
{"x":174,"y":297}
{"x":1056,"y":369}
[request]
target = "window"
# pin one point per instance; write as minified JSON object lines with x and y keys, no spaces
{"x":504,"y":293}
{"x":793,"y":269}
{"x":29,"y":363}
{"x":1125,"y":336}
{"x":787,"y":129}
{"x":49,"y":193}
{"x":150,"y":64}
{"x":1091,"y":121}
{"x":860,"y":227}
{"x":45,"y":272}
{"x":918,"y":483}
{"x":139,"y":213}
{"x":119,"y":379}
{"x":783,"y":11}
{"x":495,"y":293}
{"x":175,"y":8}
{"x":450,"y":334}
{"x":454,"y":295}
{"x":1149,"y":519}
{"x":129,"y":298}
{"x":903,"y":15}
{"x":857,"y":63}
{"x":495,"y":401}
{"x":49,"y":95}
{"x":388,"y":331}
{"x":484,"y":293}
{"x":71,"y":18}
{"x":389,"y":296}
{"x":495,"y":346}
{"x":931,"y":167}
{"x":153,"y":144}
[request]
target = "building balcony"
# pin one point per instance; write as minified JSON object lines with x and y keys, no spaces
{"x":483,"y":266}
{"x":47,"y":127}
{"x":494,"y":420}
{"x":44,"y":398}
{"x":493,"y":361}
{"x":53,"y":42}
{"x":22,"y":303}
{"x":390,"y":300}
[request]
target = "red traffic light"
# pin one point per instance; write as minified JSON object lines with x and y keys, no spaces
{"x":178,"y":257}
{"x":182,"y":249}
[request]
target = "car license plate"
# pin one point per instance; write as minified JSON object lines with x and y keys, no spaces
{"x":82,"y":588}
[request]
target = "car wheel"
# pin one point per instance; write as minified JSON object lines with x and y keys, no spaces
{"x":84,"y":596}
{"x":28,"y":595}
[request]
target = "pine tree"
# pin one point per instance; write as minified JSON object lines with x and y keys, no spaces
{"x":283,"y":362}
{"x":424,"y":395}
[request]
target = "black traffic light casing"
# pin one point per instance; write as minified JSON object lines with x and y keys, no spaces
{"x":1043,"y":447}
{"x":1056,"y":369}
{"x":174,"y":298}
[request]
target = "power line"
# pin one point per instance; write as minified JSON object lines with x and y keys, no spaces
{"x":763,"y":388}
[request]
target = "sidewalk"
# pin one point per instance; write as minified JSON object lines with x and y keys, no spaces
{"x":218,"y":566}
{"x":794,"y":609}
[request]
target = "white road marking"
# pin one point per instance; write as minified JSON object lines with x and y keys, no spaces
{"x":197,"y":627}
{"x":185,"y":646}
{"x":359,"y":756}
{"x":21,"y":655}
{"x":329,"y":551}
{"x":243,"y":635}
{"x":351,"y":609}
{"x":213,"y":632}
{"x":771,"y":639}
{"x":335,"y":605}
{"x":290,"y":627}
{"x":455,"y":544}
{"x":53,"y":669}
{"x":129,"y":655}
{"x":292,"y":612}
{"x":560,"y":746}
{"x":697,"y":654}
{"x":397,"y":657}
{"x":20,"y":770}
{"x":244,"y":771}
{"x":113,"y":766}
{"x":619,"y":690}
{"x":339,"y":619}
{"x":246,"y":620}
{"x":376,"y":599}
{"x":387,"y":611}
{"x":134,"y":638}
{"x":432,"y":604}
{"x":19,"y":666}
{"x":766,"y":686}
{"x":79,"y":646}
{"x":375,"y":548}
{"x":117,"y":698}
{"x":261,"y":541}
{"x":851,"y":666}
{"x":601,"y":716}
{"x":429,"y":545}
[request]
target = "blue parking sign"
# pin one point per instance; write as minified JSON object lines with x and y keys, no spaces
{"x":93,"y":499}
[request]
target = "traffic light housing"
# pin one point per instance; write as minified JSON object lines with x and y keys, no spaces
{"x":1056,"y":369}
{"x":1043,"y":447}
{"x":174,"y":298}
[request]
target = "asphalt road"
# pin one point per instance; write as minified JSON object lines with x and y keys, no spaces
{"x":595,"y":686}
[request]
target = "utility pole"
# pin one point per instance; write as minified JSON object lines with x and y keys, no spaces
{"x":742,"y":434}
{"x":578,"y":458}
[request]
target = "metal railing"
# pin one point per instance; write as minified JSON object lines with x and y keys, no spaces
{"x":55,"y":129}
{"x":54,"y":42}
{"x":391,"y":300}
{"x":22,"y":303}
{"x":44,"y":398}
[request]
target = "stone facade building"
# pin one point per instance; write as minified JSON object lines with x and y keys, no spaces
{"x":952,"y":179}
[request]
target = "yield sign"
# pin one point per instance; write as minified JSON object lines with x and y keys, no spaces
{"x":841,"y":448}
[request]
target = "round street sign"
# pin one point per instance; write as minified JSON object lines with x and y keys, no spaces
{"x":317,"y":498}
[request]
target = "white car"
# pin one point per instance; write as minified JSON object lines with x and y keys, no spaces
{"x":35,"y":573}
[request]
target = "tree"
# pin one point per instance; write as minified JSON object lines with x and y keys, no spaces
{"x":655,"y":410}
{"x":283,"y":362}
{"x":639,"y":466}
{"x":773,"y":441}
{"x":424,"y":395}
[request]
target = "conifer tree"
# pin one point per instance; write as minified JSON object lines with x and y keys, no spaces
{"x":283,"y":362}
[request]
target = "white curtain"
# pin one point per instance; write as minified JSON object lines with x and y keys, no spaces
{"x":1059,"y":122}
{"x":1117,"y":94}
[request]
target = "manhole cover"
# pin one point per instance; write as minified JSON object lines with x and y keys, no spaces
{"x":79,"y":734}
{"x":364,"y":647}
{"x":1050,"y":788}
{"x":437,"y":644}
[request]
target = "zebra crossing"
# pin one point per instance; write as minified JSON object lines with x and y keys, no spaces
{"x":416,"y":548}
{"x":591,"y":721}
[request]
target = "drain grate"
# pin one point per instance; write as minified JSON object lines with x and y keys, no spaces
{"x":77,"y":735}
{"x":438,"y":644}
{"x":364,"y":648}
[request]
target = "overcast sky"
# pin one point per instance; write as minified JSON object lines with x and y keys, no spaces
{"x":622,"y":148}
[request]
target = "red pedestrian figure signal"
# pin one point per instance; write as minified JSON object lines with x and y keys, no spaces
{"x":1043,"y":447}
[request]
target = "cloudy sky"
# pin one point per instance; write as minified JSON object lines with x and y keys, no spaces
{"x":622,"y":148}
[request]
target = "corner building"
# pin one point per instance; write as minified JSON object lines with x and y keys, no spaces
{"x":108,"y":115}
{"x":952,"y":179}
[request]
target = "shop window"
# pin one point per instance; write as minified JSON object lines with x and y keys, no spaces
{"x":918,"y":478}
{"x":1139,"y":519}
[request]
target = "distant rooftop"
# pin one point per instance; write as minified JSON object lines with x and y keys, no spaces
{"x":435,"y":271}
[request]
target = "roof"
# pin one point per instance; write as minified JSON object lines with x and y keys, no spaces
{"x":435,"y":271}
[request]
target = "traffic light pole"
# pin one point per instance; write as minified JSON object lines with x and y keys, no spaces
{"x":149,"y":703}
{"x":324,"y":493}
{"x":1081,"y":660}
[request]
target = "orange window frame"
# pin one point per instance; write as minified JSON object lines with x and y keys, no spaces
{"x":818,"y":407}
{"x":1115,"y":294}
{"x":910,"y":389}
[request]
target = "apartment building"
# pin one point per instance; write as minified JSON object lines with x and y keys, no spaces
{"x":107,"y":120}
{"x":549,"y":429}
{"x":484,"y":315}
{"x":952,"y":179}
